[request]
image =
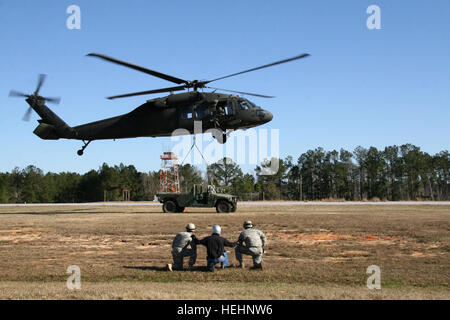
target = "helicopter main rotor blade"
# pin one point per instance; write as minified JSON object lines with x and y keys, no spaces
{"x":304,"y":55}
{"x":138,"y":68}
{"x":241,"y":92}
{"x":178,"y":88}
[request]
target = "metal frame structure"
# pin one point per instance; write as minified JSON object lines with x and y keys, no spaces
{"x":169,"y":179}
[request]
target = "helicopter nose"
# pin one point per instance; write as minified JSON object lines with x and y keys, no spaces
{"x":263,"y":116}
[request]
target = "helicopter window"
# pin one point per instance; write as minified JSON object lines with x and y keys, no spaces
{"x":200,"y":112}
{"x":225,"y":108}
{"x":186,"y":112}
{"x":229,"y":109}
{"x":252,"y":105}
{"x":243,"y":105}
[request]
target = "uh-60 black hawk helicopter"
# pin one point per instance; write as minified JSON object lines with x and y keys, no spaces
{"x":157,"y":117}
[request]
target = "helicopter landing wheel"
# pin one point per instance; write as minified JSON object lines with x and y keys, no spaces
{"x":80,"y":152}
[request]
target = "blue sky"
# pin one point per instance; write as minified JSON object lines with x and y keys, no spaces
{"x":359,"y":87}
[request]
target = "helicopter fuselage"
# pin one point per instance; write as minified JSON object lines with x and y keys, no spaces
{"x":162,"y":116}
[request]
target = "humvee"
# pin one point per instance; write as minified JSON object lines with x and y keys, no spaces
{"x":199,"y":197}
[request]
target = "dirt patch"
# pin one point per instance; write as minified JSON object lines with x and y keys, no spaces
{"x":328,"y":237}
{"x":418,"y":254}
{"x":20,"y":235}
{"x":356,"y":253}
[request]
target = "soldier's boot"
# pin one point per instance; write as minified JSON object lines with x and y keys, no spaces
{"x":169,"y":267}
{"x":191,"y":268}
{"x":241,"y":265}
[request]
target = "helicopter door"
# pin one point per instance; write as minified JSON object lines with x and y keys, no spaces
{"x":186,"y":118}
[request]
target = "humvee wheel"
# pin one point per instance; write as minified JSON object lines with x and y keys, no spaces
{"x":233,"y":208}
{"x":223,"y":207}
{"x":170,"y":206}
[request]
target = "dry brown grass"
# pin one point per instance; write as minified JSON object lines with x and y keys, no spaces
{"x":209,"y":290}
{"x":314,"y":252}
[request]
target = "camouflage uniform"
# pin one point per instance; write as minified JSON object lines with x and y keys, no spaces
{"x":180,"y":249}
{"x":254,"y":240}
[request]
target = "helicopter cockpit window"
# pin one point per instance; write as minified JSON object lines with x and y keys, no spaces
{"x":252,"y":105}
{"x":186,"y":113}
{"x":243,"y":105}
{"x":200,"y":112}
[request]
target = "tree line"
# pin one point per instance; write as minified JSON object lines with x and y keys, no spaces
{"x":395,"y":173}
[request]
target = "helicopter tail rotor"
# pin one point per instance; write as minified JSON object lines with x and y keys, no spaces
{"x":35,"y":96}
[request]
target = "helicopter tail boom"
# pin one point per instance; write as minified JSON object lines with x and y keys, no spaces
{"x":51,"y":127}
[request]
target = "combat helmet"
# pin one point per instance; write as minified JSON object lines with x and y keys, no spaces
{"x":248,"y":224}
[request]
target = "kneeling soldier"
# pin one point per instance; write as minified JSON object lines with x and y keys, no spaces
{"x":254,"y":241}
{"x":180,"y":248}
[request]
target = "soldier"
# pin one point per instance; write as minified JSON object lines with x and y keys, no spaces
{"x":254,"y":241}
{"x":180,"y":248}
{"x":215,"y":248}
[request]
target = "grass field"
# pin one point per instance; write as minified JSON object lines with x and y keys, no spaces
{"x":314,"y":252}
